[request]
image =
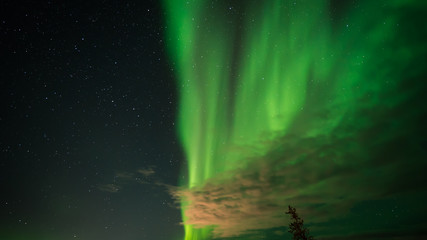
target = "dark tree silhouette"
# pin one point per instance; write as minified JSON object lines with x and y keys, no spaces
{"x":296,"y":227}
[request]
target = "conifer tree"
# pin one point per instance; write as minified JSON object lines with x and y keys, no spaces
{"x":296,"y":227}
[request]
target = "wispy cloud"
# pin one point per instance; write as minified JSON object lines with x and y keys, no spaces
{"x":111,"y":188}
{"x":146,"y":172}
{"x":123,"y":178}
{"x":324,"y":176}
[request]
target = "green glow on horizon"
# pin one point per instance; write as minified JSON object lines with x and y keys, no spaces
{"x":244,"y":81}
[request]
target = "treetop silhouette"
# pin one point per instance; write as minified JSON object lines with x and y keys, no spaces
{"x":296,"y":226}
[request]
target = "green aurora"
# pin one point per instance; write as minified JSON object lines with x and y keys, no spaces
{"x":320,"y":102}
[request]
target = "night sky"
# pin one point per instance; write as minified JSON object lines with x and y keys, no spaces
{"x":199,"y":120}
{"x":88,"y":100}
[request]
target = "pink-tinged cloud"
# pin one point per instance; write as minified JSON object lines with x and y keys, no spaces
{"x":322,"y":177}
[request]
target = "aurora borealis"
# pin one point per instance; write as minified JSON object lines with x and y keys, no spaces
{"x":205,"y":119}
{"x":317,"y":104}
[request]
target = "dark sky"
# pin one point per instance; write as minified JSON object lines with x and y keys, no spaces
{"x":87,"y":122}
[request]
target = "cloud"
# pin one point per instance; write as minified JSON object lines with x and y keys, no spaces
{"x":325,"y":184}
{"x":124,"y":178}
{"x":325,"y":176}
{"x":111,"y":188}
{"x":146,"y":172}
